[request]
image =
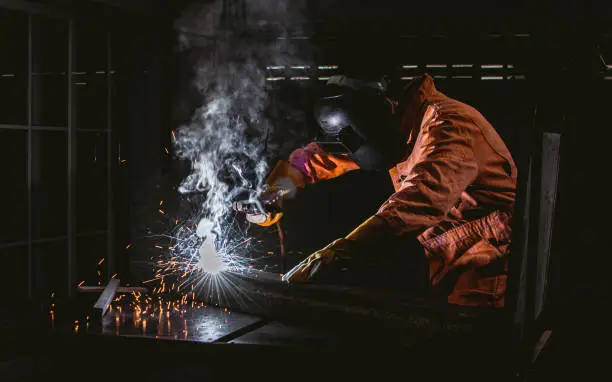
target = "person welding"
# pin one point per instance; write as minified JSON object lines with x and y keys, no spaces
{"x":454,"y":181}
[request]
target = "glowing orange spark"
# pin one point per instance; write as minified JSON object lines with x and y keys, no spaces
{"x":113,"y":276}
{"x":52,"y":294}
{"x":158,"y":246}
{"x":173,"y":136}
{"x":166,"y":150}
{"x":176,"y":222}
{"x":99,"y":273}
{"x":161,"y":212}
{"x":128,"y":246}
{"x":101,"y":261}
{"x":81,"y":283}
{"x":123,"y":160}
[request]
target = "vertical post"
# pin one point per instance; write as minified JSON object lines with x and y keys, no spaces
{"x":110,"y":226}
{"x":71,"y":169}
{"x":29,"y":164}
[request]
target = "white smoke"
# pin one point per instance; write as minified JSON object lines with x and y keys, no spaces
{"x":226,"y":139}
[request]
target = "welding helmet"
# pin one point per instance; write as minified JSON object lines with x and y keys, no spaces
{"x":356,"y":117}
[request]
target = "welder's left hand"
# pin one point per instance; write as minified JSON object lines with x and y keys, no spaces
{"x":320,"y":263}
{"x":325,"y":263}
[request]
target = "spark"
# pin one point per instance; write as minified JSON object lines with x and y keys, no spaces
{"x":101,"y":261}
{"x":81,"y":283}
{"x":161,"y":202}
{"x":166,"y":150}
{"x":128,"y":246}
{"x":113,"y":276}
{"x":162,"y":212}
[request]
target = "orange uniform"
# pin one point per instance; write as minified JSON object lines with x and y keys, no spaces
{"x":454,"y":190}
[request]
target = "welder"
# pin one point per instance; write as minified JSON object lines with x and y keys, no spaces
{"x":454,"y":181}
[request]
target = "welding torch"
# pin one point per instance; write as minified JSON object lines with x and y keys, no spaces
{"x":268,"y":201}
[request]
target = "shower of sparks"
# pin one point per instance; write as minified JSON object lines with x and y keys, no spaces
{"x":197,"y":261}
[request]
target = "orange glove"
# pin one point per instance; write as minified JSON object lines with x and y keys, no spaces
{"x":368,"y":237}
{"x":283,"y":180}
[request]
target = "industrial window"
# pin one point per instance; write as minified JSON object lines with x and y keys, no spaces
{"x":60,"y":148}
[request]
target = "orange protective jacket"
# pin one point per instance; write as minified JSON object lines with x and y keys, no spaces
{"x":454,"y":190}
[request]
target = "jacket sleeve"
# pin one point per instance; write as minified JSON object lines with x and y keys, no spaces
{"x":444,"y":165}
{"x":316,"y":165}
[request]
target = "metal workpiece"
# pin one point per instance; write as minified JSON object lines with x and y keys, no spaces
{"x":333,"y":306}
{"x":105,"y":299}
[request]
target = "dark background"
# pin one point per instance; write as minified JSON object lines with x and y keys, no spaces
{"x":90,"y":91}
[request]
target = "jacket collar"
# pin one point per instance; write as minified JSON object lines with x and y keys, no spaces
{"x":417,"y":94}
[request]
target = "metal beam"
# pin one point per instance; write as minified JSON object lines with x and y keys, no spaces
{"x":106,"y":298}
{"x":34,"y":128}
{"x":71,"y":264}
{"x":110,"y":223}
{"x":29,"y":164}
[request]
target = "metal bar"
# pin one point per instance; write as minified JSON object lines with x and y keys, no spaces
{"x":34,"y":128}
{"x":13,"y":245}
{"x":240,"y":332}
{"x":533,"y":235}
{"x":92,"y":130}
{"x":50,"y":128}
{"x":540,"y":344}
{"x":91,"y":233}
{"x":94,"y":289}
{"x":106,"y":298}
{"x":34,"y":241}
{"x":14,"y":127}
{"x":71,"y":245}
{"x":29,"y":164}
{"x":110,"y":226}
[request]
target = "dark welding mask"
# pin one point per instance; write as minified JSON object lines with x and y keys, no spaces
{"x":357,"y":118}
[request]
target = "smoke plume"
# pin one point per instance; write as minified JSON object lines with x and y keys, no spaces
{"x":227,"y":140}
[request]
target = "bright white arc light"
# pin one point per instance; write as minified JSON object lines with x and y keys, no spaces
{"x":210,"y":260}
{"x":334,"y":120}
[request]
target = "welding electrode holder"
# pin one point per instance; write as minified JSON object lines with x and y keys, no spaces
{"x":268,"y":202}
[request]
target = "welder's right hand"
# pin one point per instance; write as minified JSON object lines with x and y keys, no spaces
{"x":271,"y":201}
{"x":284,"y":180}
